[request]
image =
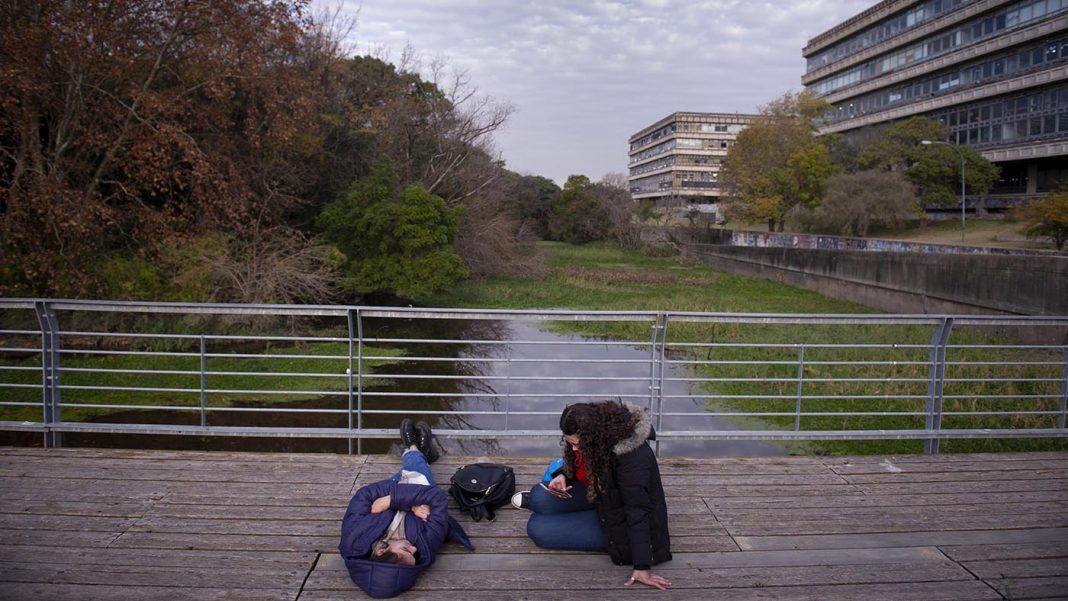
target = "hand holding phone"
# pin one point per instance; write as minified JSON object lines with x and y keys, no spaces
{"x":555,"y":491}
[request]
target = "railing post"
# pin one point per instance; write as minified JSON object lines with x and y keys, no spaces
{"x":348,"y":373}
{"x":52,"y":409}
{"x":203,"y":385}
{"x":936,"y":383}
{"x":660,"y":347}
{"x":1064,"y":385}
{"x":800,"y":381}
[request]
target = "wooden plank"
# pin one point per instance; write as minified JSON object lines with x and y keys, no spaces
{"x":40,"y":506}
{"x":65,"y":523}
{"x":948,"y":459}
{"x":295,"y":525}
{"x":739,"y":516}
{"x":680,"y":577}
{"x":934,"y":524}
{"x":178,"y":558}
{"x":11,"y":591}
{"x":962,"y":553}
{"x":1019,"y":568}
{"x":564,"y":561}
{"x":267,"y":576}
{"x":959,"y":590}
{"x":1032,"y":588}
{"x":291,"y":511}
{"x":924,"y":488}
{"x":170,"y":540}
{"x":940,"y":477}
{"x":262,"y":475}
{"x":56,"y":538}
{"x":891,"y":464}
{"x":900,"y":501}
{"x":907,"y":539}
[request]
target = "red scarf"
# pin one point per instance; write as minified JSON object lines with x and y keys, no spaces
{"x":580,"y":468}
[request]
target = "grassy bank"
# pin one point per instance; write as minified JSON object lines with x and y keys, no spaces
{"x":878,"y":370}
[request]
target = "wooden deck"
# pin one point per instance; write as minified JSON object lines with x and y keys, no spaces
{"x":131,"y":525}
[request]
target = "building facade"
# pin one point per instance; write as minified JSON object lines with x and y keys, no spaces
{"x":994,"y":71}
{"x":676,"y":161}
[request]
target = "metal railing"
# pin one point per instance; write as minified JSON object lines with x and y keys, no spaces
{"x":349,"y":372}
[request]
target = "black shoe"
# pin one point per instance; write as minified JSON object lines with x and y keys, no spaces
{"x":408,"y":434}
{"x":521,"y":499}
{"x":425,"y":442}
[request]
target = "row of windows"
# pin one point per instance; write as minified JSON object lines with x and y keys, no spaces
{"x":684,"y":143}
{"x":1018,"y":14}
{"x":883,"y":30}
{"x":1038,"y":56}
{"x":680,"y":160}
{"x":1021,"y":118}
{"x":667,"y":181}
{"x":1021,"y":130}
{"x":653,"y":166}
{"x":652,"y":184}
{"x":656,"y":135}
{"x":654,"y":151}
{"x":711,"y":127}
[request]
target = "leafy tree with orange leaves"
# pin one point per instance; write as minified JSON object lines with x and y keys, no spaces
{"x":1047,"y":217}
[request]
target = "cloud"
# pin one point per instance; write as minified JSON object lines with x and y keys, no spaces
{"x":586,"y":75}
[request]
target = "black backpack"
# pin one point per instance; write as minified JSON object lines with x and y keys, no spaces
{"x":480,"y":488}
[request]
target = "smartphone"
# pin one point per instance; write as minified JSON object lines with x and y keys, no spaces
{"x":555,"y":493}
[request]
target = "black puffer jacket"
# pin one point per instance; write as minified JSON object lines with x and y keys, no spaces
{"x":632,"y":508}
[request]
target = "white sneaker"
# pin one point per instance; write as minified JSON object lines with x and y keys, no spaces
{"x":521,"y":500}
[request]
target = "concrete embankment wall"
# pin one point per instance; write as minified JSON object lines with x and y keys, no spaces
{"x":908,"y":282}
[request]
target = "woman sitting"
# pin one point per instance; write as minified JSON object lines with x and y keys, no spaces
{"x":608,"y":494}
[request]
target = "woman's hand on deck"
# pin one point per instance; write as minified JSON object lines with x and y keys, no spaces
{"x":648,"y":578}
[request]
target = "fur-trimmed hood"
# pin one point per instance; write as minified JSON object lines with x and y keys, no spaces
{"x":643,"y":430}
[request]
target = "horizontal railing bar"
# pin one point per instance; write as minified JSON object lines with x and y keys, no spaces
{"x":807,"y":380}
{"x":248,"y":431}
{"x":797,"y":345}
{"x":536,"y":314}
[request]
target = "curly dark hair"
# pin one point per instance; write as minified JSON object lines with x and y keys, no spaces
{"x":599,"y":426}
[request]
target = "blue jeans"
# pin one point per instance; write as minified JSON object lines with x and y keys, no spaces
{"x":413,"y":460}
{"x":569,"y":524}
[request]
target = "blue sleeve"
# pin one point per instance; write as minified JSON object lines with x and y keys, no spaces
{"x":406,"y":496}
{"x":360,"y":528}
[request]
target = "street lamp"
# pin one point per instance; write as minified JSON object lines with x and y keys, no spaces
{"x":961,"y":153}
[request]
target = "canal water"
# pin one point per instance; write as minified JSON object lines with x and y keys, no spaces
{"x":503,"y":368}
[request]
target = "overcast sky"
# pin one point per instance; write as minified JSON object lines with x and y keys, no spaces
{"x":583,"y":75}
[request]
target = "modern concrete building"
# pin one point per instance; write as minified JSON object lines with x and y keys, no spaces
{"x":994,"y":71}
{"x":676,"y":161}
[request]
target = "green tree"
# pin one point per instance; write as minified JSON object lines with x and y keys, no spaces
{"x":778,"y":162}
{"x":934,"y":169}
{"x":532,"y":200}
{"x":1047,"y":217}
{"x":579,"y":217}
{"x":394,"y":242}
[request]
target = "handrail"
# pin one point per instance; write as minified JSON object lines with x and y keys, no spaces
{"x":836,"y":377}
